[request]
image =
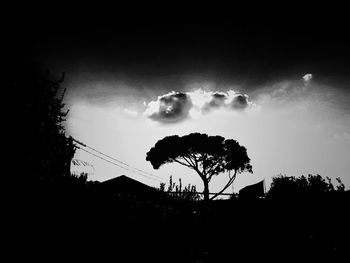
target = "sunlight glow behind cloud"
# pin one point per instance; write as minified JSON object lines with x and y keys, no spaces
{"x":177,"y":106}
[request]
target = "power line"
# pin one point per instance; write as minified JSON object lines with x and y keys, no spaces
{"x":117,"y":164}
{"x":125,"y":168}
{"x":123,"y":162}
{"x":115,"y":159}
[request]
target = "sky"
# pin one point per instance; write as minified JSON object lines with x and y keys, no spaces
{"x":274,"y":78}
{"x":292,"y":127}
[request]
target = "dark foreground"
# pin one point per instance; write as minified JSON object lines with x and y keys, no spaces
{"x":49,"y":223}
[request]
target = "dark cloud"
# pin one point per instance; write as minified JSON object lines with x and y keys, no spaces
{"x":232,"y":101}
{"x":172,"y":107}
{"x":240,"y":102}
{"x":217,"y":100}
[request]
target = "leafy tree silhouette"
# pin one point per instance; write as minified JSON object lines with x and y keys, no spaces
{"x":207,"y":155}
{"x":46,"y":151}
{"x":285,"y":186}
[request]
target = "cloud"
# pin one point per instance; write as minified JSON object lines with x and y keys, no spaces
{"x":217,"y":100}
{"x":290,"y":91}
{"x":177,"y":106}
{"x":228,"y":100}
{"x":307,"y":77}
{"x":240,"y":102}
{"x":131,"y":112}
{"x":169,"y":108}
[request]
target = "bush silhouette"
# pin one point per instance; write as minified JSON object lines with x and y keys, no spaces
{"x":176,"y":191}
{"x":283,"y":186}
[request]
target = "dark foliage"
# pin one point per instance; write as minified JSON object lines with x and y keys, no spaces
{"x":45,"y":150}
{"x":301,"y":187}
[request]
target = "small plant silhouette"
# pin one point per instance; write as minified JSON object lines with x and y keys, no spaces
{"x":188,"y":193}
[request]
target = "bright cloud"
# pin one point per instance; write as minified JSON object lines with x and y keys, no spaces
{"x":307,"y":77}
{"x":171,"y":107}
{"x":177,"y":106}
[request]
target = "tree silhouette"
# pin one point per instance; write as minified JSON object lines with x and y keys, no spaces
{"x":207,"y":155}
{"x":45,"y":150}
{"x":290,"y":186}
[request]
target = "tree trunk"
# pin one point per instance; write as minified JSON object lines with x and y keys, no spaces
{"x":206,"y":190}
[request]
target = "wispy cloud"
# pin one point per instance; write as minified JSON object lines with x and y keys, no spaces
{"x":131,"y":112}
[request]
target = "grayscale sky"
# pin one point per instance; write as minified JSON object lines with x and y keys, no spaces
{"x":292,"y":126}
{"x":275,"y":79}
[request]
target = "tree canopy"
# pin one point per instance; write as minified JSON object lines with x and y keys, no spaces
{"x":207,"y":155}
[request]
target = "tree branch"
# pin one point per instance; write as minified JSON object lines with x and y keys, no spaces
{"x":195,"y":159}
{"x":182,"y":163}
{"x":189,"y":164}
{"x":189,"y":161}
{"x":202,"y":160}
{"x":230,"y":181}
{"x":212,"y":171}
